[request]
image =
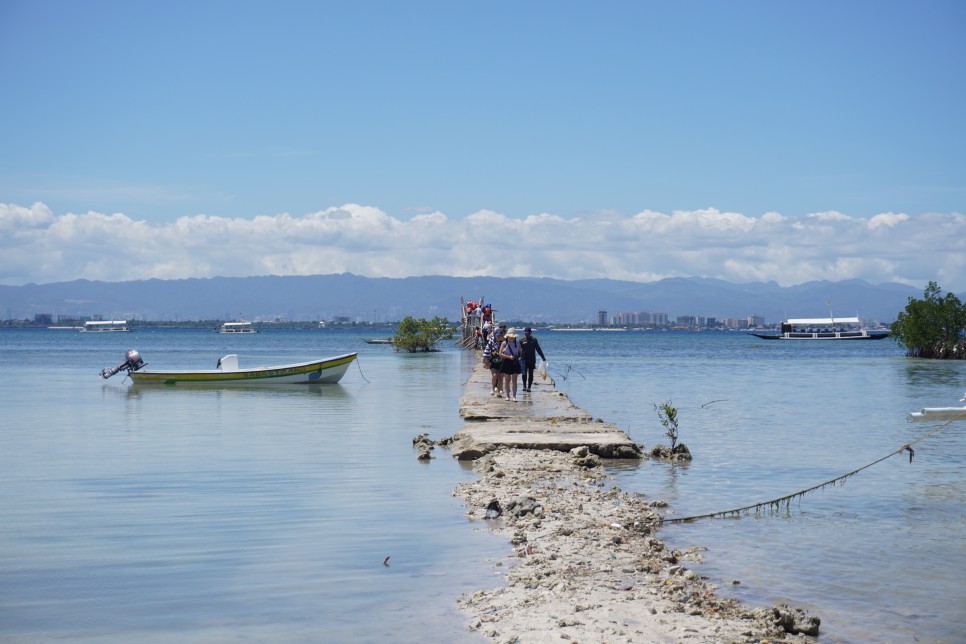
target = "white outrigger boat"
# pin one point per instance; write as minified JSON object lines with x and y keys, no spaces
{"x":927,"y":414}
{"x":237,"y":327}
{"x":824,"y":329}
{"x":228,"y":373}
{"x":104,"y":326}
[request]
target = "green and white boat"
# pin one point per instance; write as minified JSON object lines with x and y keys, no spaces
{"x":228,"y":373}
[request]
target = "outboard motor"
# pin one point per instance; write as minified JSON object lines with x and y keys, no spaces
{"x":133,"y":363}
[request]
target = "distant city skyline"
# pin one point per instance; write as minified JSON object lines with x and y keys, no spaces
{"x":353,"y":299}
{"x":618,"y":320}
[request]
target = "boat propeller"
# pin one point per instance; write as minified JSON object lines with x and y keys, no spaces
{"x":132,"y":363}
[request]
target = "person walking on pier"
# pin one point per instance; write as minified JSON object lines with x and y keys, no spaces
{"x":492,"y":360}
{"x":530,"y":348}
{"x":510,"y":364}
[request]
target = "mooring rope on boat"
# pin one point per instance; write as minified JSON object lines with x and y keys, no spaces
{"x":785,"y":501}
{"x":359,"y":364}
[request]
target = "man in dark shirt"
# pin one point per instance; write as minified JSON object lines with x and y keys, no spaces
{"x":530,"y":348}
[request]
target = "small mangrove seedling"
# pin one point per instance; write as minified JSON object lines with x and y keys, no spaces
{"x":668,"y":415}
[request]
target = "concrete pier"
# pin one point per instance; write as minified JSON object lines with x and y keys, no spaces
{"x":542,"y":419}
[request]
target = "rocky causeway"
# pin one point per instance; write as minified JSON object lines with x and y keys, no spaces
{"x":587,"y":564}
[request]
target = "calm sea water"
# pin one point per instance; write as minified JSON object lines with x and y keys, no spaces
{"x":881,"y":558}
{"x":224,"y":515}
{"x":227,"y":515}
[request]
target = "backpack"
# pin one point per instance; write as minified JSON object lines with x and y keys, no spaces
{"x":492,"y":351}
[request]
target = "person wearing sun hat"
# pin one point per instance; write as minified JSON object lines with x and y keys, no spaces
{"x":530,"y":348}
{"x":510,"y":364}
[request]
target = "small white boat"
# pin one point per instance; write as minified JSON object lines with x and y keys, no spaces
{"x":378,"y":340}
{"x":824,"y":329}
{"x":104,"y":326}
{"x":228,"y":373}
{"x":237,"y":327}
{"x":927,"y":414}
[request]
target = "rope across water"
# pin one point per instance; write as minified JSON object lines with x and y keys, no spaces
{"x":786,"y":500}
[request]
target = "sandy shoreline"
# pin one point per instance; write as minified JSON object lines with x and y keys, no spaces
{"x":588,"y":566}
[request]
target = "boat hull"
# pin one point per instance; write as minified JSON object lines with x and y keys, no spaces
{"x":822,"y":336}
{"x":328,"y":371}
{"x":937,"y":413}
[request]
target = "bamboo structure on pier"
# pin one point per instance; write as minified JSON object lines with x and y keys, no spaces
{"x":472,"y":319}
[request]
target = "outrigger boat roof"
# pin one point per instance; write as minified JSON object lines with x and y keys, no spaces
{"x":818,"y":321}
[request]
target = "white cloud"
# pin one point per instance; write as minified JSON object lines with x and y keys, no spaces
{"x":38,"y":246}
{"x":890,"y":219}
{"x":14,"y":218}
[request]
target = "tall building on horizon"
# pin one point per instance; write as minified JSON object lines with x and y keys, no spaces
{"x":601,"y":318}
{"x":756,"y":320}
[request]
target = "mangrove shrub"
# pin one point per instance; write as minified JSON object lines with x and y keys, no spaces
{"x":932,"y":327}
{"x":668,"y":415}
{"x":421,"y":335}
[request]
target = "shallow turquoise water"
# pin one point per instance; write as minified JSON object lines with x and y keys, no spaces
{"x":222,"y":515}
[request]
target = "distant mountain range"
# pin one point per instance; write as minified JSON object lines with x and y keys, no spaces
{"x":539,"y":300}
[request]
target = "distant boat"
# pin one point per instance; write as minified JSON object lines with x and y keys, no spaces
{"x":378,"y":340}
{"x":237,"y":327}
{"x":104,"y":326}
{"x":823,"y":329}
{"x":228,"y":373}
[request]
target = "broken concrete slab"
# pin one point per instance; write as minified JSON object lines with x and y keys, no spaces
{"x":542,"y":419}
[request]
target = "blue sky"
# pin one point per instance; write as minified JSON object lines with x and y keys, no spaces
{"x":128,"y":120}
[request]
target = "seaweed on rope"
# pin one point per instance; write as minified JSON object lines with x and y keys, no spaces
{"x":776,"y":505}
